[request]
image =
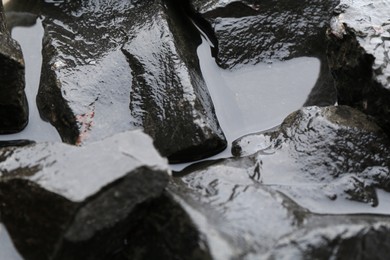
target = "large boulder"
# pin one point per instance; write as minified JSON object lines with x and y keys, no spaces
{"x":358,"y":57}
{"x":13,"y":102}
{"x":254,"y":31}
{"x":113,"y":66}
{"x":65,"y":202}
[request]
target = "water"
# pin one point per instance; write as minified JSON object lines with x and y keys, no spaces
{"x":30,"y":40}
{"x":7,"y":249}
{"x":255,"y":98}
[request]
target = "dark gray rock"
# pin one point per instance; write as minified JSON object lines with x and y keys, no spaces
{"x":253,"y":31}
{"x":109,"y":67}
{"x":13,"y":102}
{"x":239,"y":216}
{"x":264,"y":204}
{"x":64,"y":202}
{"x":362,"y":240}
{"x":338,"y":152}
{"x":359,"y":59}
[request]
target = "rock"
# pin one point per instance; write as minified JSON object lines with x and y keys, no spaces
{"x":110,"y":67}
{"x":336,"y":241}
{"x":244,"y":218}
{"x":13,"y":102}
{"x":249,"y":32}
{"x":358,"y":57}
{"x":289,"y":196}
{"x":166,"y":230}
{"x":337,"y":152}
{"x":237,"y":209}
{"x":68,"y":201}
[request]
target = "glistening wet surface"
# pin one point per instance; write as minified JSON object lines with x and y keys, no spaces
{"x":255,"y":98}
{"x":30,"y":40}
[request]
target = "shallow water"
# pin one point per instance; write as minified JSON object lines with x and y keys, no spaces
{"x":7,"y":250}
{"x":255,"y":98}
{"x":30,"y":40}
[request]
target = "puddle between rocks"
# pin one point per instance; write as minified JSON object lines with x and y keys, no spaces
{"x":30,"y":40}
{"x":8,"y":251}
{"x":255,"y":98}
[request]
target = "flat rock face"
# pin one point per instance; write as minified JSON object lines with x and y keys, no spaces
{"x":330,"y":160}
{"x":62,"y":198}
{"x":13,"y":102}
{"x":110,"y":67}
{"x":359,"y":59}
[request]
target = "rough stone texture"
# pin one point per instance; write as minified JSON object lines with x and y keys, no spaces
{"x":236,"y":209}
{"x":68,"y":201}
{"x":359,"y":58}
{"x":264,"y":204}
{"x":337,"y":151}
{"x":109,"y":67}
{"x":336,"y":241}
{"x":13,"y":102}
{"x":253,"y":31}
{"x":243,"y":218}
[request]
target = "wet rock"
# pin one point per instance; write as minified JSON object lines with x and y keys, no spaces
{"x":109,"y":67}
{"x":338,"y":152}
{"x":228,"y":195}
{"x":244,"y":218}
{"x":264,"y":204}
{"x":166,"y":230}
{"x":249,"y":32}
{"x":358,"y":57}
{"x":337,"y":241}
{"x":64,"y":202}
{"x":13,"y":102}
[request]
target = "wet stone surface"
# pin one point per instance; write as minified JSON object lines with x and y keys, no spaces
{"x":13,"y":102}
{"x":336,"y":151}
{"x":249,"y":32}
{"x":315,"y":187}
{"x":110,"y":67}
{"x":320,"y":161}
{"x":66,"y":202}
{"x":359,"y":58}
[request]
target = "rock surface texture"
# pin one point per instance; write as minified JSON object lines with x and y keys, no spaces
{"x":67,"y":200}
{"x":13,"y":102}
{"x":114,"y":66}
{"x":359,"y":57}
{"x":320,"y":161}
{"x":253,"y":31}
{"x":315,"y":187}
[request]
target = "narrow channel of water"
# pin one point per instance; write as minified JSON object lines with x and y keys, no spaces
{"x":30,"y":40}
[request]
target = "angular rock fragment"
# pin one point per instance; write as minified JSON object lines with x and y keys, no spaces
{"x":337,"y":152}
{"x":359,"y":57}
{"x":249,"y":32}
{"x":13,"y":102}
{"x":64,"y":202}
{"x":113,"y":66}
